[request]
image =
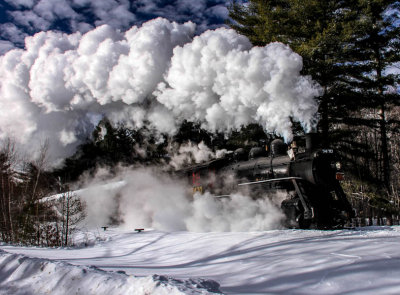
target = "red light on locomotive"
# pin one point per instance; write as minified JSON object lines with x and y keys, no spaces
{"x":339,"y":176}
{"x":196,"y":178}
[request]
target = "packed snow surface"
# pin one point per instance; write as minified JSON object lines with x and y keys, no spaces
{"x":116,"y":261}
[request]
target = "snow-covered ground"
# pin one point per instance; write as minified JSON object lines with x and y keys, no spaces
{"x":361,"y":261}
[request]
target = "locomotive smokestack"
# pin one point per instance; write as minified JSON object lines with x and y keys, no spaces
{"x":312,"y":141}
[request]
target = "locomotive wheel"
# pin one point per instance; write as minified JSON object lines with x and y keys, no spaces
{"x":302,"y":223}
{"x":294,"y":214}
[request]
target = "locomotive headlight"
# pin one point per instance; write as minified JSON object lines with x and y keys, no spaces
{"x":338,"y":165}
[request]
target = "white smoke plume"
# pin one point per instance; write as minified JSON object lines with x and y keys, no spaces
{"x":192,"y":153}
{"x":143,"y":198}
{"x":218,"y":79}
{"x":61,"y":85}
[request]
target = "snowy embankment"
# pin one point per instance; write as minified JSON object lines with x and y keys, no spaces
{"x":23,"y":275}
{"x":361,"y":261}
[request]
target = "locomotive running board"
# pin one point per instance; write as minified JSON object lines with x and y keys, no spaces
{"x":270,"y":180}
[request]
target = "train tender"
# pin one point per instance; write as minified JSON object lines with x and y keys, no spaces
{"x":309,"y":178}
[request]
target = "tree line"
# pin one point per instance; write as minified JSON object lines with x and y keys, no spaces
{"x":28,"y":215}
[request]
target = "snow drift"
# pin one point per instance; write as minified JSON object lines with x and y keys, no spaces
{"x":24,"y":275}
{"x":159,"y":74}
{"x":361,"y":261}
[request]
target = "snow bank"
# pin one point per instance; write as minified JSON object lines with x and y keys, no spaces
{"x":23,"y":275}
{"x":363,"y":261}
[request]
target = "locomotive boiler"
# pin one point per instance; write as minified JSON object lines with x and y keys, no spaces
{"x":309,"y":178}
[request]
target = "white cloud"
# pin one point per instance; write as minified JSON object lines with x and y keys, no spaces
{"x":82,"y":15}
{"x":21,"y":3}
{"x":5,"y":46}
{"x":51,"y":10}
{"x":12,"y":33}
{"x":30,"y":20}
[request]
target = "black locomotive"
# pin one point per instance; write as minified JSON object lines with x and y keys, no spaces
{"x":309,"y":177}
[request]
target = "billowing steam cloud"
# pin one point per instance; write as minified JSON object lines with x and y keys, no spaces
{"x":143,"y":198}
{"x":60,"y":85}
{"x":191,"y":153}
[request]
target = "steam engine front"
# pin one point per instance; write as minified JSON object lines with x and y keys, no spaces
{"x":309,"y":179}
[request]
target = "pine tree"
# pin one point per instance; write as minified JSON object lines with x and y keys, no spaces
{"x":373,"y":49}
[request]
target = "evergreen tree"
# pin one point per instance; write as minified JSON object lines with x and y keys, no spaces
{"x":189,"y":131}
{"x":373,"y":50}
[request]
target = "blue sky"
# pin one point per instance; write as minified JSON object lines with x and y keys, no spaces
{"x":21,"y":18}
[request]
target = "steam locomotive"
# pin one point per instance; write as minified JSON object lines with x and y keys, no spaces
{"x":309,"y":178}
